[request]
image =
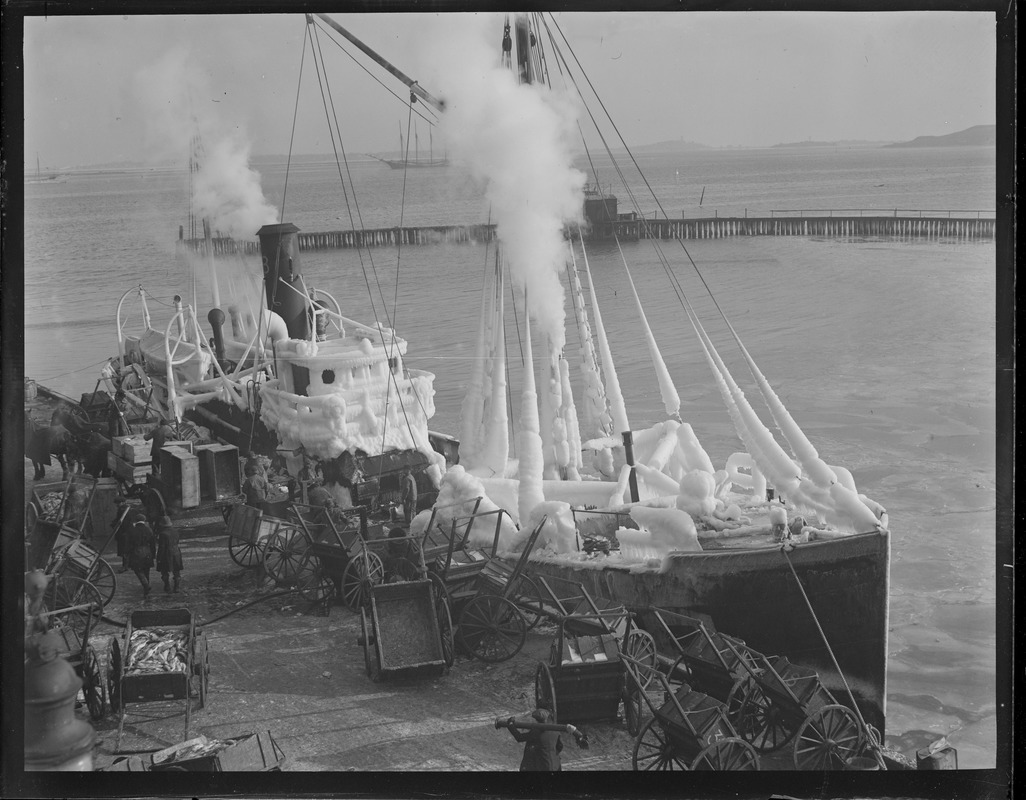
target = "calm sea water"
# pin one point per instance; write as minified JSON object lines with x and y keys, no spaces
{"x":883,"y":350}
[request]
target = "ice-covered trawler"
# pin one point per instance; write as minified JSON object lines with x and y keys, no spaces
{"x":297,"y":378}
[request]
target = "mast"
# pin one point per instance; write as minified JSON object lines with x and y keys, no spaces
{"x":414,"y":87}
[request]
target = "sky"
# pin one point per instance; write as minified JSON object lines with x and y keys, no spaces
{"x":102,"y":89}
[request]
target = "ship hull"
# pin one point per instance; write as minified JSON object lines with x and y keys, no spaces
{"x":752,"y":594}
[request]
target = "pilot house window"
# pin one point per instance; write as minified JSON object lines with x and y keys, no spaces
{"x":328,"y":376}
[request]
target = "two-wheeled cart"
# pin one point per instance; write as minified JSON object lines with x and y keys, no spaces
{"x":405,"y":629}
{"x":689,"y":730}
{"x":250,"y":530}
{"x":73,"y":626}
{"x":160,"y":658}
{"x":706,"y":659}
{"x":784,"y":702}
{"x":494,"y":604}
{"x":55,"y":514}
{"x":584,"y":679}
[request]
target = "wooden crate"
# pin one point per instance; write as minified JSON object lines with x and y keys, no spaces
{"x":179,"y":471}
{"x":133,"y":449}
{"x":102,"y":512}
{"x":129,"y":472}
{"x":220,"y":477}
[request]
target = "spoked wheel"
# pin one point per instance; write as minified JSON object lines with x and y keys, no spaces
{"x":653,"y":750}
{"x":284,"y":554}
{"x":762,"y":723}
{"x":361,"y":573}
{"x":92,"y":683}
{"x":491,"y":628}
{"x":640,"y":646}
{"x":114,"y":676}
{"x":245,"y":554}
{"x":545,"y":689}
{"x":314,"y":583}
{"x":827,"y":739}
{"x":67,"y":592}
{"x":632,"y":707}
{"x":727,"y":755}
{"x":201,"y":666}
{"x":102,"y":577}
{"x":738,"y":712}
{"x":445,"y":631}
{"x":529,"y":601}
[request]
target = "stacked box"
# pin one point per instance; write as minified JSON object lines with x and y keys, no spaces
{"x":219,"y":471}
{"x":133,"y":449}
{"x":129,"y":472}
{"x":179,"y":471}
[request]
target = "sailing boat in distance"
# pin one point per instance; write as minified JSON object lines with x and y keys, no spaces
{"x":416,"y":161}
{"x":43,"y":177}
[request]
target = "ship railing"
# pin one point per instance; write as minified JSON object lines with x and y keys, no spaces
{"x":918,"y":213}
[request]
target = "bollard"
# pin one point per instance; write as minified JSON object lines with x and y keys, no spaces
{"x":939,"y":755}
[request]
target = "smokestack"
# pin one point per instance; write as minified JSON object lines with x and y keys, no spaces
{"x":279,"y":249}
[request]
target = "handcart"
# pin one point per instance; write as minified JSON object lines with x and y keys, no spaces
{"x":706,"y":659}
{"x":405,"y":630}
{"x":688,"y":730}
{"x":73,"y":626}
{"x":436,"y":537}
{"x":55,"y":514}
{"x":249,"y":532}
{"x":493,"y":604}
{"x":785,"y":702}
{"x":157,"y":660}
{"x":591,"y":635}
{"x":251,"y":752}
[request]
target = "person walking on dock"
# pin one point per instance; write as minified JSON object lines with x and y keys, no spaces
{"x":169,"y":554}
{"x":541,"y":738}
{"x":141,"y":544}
{"x":408,"y":494}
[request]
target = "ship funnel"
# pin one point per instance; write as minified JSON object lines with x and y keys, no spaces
{"x":216,"y":319}
{"x":279,"y":249}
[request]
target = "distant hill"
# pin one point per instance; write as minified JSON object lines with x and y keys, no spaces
{"x":841,"y":143}
{"x":674,"y":146}
{"x":970,"y":137}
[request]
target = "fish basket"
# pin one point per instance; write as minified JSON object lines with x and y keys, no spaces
{"x":140,"y":684}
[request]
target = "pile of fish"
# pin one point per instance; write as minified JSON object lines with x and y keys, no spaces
{"x":158,"y":650}
{"x":195,"y":748}
{"x":51,"y":505}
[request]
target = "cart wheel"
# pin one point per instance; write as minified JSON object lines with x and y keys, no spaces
{"x":640,"y":646}
{"x":653,"y":750}
{"x":92,"y":683}
{"x":283,"y":555}
{"x":737,"y":712}
{"x":492,"y":628}
{"x":245,"y":554}
{"x":31,"y":517}
{"x":529,"y":601}
{"x":66,"y":592}
{"x":727,"y":755}
{"x":114,"y":676}
{"x":827,"y":739}
{"x":762,"y":723}
{"x":314,"y":583}
{"x":102,"y":577}
{"x":445,"y":629}
{"x":632,"y":707}
{"x":361,"y":573}
{"x":441,"y":593}
{"x":545,"y":689}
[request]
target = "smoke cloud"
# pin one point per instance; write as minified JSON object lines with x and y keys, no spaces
{"x":180,"y":112}
{"x":516,"y":139}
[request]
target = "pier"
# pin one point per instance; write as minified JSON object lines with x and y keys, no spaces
{"x":841,"y":224}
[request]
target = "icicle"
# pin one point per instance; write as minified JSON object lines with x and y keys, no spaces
{"x":596,"y":408}
{"x":531,"y":459}
{"x":548,"y":404}
{"x":568,"y":413}
{"x":613,"y":393}
{"x":671,"y":400}
{"x":496,"y":448}
{"x":470,"y":411}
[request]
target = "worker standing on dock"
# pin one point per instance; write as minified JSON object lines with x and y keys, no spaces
{"x":169,"y":553}
{"x":255,"y":488}
{"x":141,"y":544}
{"x":541,"y":738}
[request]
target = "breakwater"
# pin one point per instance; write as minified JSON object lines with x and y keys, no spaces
{"x":964,"y":228}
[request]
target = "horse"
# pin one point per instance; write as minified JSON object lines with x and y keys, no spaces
{"x":43,"y":441}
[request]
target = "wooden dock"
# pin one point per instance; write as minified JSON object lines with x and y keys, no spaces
{"x":905,"y":226}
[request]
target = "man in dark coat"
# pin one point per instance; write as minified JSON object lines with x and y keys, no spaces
{"x":256,"y":489}
{"x":141,"y":544}
{"x":541,"y":748}
{"x":169,"y":554}
{"x":408,"y":494}
{"x":159,"y":435}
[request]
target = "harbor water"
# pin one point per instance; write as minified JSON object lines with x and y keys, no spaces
{"x":883,"y":350}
